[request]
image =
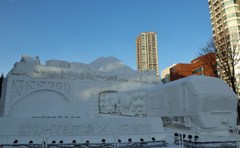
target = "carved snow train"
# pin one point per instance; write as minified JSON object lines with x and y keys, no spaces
{"x":106,"y":103}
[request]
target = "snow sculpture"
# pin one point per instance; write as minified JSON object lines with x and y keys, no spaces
{"x":130,"y":103}
{"x":30,"y":60}
{"x":62,"y":100}
{"x":68,"y":86}
{"x":186,"y":102}
{"x":57,"y":63}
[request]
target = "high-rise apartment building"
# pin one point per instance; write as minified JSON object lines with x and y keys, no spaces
{"x":147,"y":52}
{"x":225,"y":21}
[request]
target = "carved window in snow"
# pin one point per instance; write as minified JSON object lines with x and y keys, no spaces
{"x":105,"y":102}
{"x":127,"y":103}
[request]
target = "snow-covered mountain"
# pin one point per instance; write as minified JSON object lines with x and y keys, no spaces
{"x":112,"y":65}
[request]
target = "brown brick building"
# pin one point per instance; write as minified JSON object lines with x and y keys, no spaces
{"x":179,"y":71}
{"x":203,"y":65}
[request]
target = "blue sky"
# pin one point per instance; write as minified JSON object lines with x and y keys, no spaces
{"x":83,"y":30}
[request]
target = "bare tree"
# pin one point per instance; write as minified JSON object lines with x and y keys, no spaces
{"x":208,"y":48}
{"x":208,"y":52}
{"x":227,"y":57}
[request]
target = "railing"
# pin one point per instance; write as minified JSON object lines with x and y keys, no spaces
{"x":181,"y":139}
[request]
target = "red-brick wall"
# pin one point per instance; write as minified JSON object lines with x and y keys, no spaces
{"x":204,"y":65}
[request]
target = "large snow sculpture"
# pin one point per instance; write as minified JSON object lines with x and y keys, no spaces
{"x":60,"y":88}
{"x":106,"y":99}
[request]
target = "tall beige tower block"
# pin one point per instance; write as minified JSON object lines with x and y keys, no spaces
{"x":225,"y":21}
{"x":147,"y":51}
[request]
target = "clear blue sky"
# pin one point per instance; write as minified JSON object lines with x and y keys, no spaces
{"x":83,"y":30}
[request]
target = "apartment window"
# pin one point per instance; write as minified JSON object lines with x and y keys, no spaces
{"x":230,"y":9}
{"x":232,"y":22}
{"x":228,"y":3}
{"x":200,"y":69}
{"x":232,"y":29}
{"x":228,"y":16}
{"x":225,"y":24}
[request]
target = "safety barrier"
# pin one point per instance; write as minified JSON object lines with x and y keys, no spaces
{"x":182,"y":139}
